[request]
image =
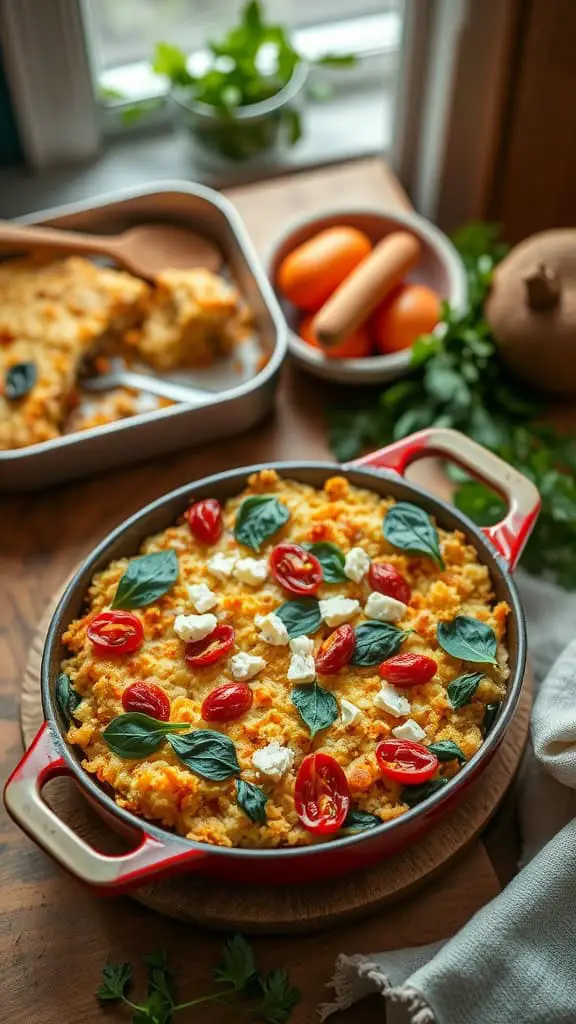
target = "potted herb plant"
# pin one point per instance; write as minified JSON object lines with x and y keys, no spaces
{"x":248,"y":99}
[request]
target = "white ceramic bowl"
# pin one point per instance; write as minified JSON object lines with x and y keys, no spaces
{"x":440,"y":268}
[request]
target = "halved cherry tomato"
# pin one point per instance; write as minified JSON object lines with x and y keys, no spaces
{"x":116,"y":633}
{"x":205,"y":520}
{"x":408,"y":669}
{"x":211,"y":648}
{"x":386,"y":579}
{"x":227,"y":702}
{"x":406,"y":762}
{"x":321,"y":795}
{"x":337,"y":650}
{"x":148,"y":699}
{"x":295,"y":569}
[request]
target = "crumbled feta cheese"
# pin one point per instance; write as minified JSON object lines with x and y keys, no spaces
{"x":221,"y":565}
{"x":201,"y":596}
{"x":246,"y":666}
{"x":302,"y":668}
{"x":335,"y":610}
{"x":383,"y":608}
{"x":194,"y":627}
{"x":409,"y":730}
{"x":348,"y":711}
{"x":272,"y":629}
{"x":356,"y":564}
{"x":273,"y":760}
{"x":388,"y":699}
{"x":252,"y":571}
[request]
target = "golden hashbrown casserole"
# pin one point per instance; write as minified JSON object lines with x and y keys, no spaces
{"x":199,"y":680}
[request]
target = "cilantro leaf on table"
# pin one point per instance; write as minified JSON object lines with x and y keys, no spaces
{"x":279,"y":997}
{"x":237,"y":972}
{"x":238,"y":966}
{"x":115,"y":980}
{"x":458,"y":380}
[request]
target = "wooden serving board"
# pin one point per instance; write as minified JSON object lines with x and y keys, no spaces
{"x":306,"y":907}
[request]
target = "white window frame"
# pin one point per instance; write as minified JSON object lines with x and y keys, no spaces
{"x":49,"y":70}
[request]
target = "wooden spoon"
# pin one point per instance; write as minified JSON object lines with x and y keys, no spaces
{"x":143,"y":250}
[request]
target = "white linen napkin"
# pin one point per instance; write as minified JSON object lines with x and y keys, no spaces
{"x":515,"y":960}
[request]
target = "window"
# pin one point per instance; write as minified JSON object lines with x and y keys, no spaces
{"x":125,"y":30}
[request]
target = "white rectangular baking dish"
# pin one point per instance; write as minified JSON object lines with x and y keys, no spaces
{"x":229,"y":409}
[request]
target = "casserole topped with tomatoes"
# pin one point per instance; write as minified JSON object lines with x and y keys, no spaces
{"x":292,"y":666}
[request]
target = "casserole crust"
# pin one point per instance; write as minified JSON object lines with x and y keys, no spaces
{"x":159,"y":786}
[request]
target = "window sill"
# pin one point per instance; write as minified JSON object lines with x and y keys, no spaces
{"x":352,"y":125}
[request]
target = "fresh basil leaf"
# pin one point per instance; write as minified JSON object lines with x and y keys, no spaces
{"x":411,"y":529}
{"x":238,"y":965}
{"x":317,"y":707}
{"x":19,"y":380}
{"x":252,"y":800}
{"x":376,"y":641}
{"x":413,"y":795}
{"x":207,"y":753}
{"x":115,"y":979}
{"x":258,"y":518}
{"x":135,"y":735}
{"x":461,"y":690}
{"x":446,"y":750}
{"x":279,"y":997}
{"x":360,"y":821}
{"x":66,"y":698}
{"x":171,"y":61}
{"x":490,"y":716}
{"x":146,"y":579}
{"x":300,"y":617}
{"x":331,"y":559}
{"x":468,"y":639}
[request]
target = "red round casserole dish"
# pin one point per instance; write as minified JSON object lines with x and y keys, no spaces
{"x":160,"y":852}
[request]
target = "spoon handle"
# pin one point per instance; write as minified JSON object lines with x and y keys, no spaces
{"x":24,"y":236}
{"x":189,"y":394}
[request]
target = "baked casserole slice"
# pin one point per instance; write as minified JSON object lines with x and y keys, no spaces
{"x":193,"y":319}
{"x":69,"y":302}
{"x":37,"y":391}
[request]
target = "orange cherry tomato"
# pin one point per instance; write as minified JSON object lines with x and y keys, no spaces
{"x":405,"y":761}
{"x":355,"y":346}
{"x":116,"y":633}
{"x":321,"y":795}
{"x":310,"y":273}
{"x":412,"y":310}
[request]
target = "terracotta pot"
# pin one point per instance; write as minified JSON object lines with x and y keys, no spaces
{"x":160,"y":852}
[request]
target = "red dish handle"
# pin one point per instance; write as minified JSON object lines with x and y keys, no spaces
{"x":23,"y":798}
{"x":510,"y":535}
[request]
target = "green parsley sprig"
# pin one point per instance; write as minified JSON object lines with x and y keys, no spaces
{"x":458,"y":380}
{"x":272,"y":996}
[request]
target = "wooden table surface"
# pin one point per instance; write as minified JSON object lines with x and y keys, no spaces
{"x":54,"y":935}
